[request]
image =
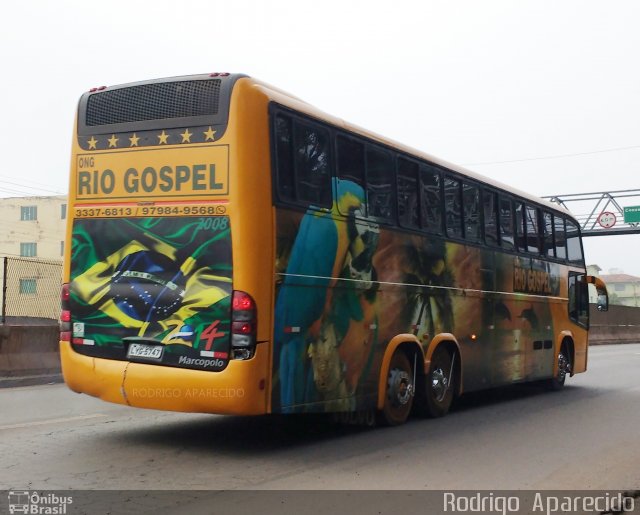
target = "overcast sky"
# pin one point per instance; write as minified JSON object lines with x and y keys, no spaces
{"x":474,"y":82}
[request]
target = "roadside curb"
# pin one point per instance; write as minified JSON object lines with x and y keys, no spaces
{"x":12,"y":382}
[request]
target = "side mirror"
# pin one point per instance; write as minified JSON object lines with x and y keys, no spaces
{"x":601,"y":290}
{"x":603,"y":302}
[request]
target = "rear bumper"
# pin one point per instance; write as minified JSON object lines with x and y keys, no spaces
{"x":241,"y":389}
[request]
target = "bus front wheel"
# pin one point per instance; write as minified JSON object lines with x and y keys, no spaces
{"x":564,"y":368}
{"x":440,"y":384}
{"x":399,"y":391}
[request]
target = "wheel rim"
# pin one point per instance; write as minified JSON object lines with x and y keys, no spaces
{"x":564,"y":367}
{"x":400,"y":387}
{"x":439,"y":384}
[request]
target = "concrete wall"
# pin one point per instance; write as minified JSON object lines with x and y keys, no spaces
{"x":29,"y":350}
{"x":621,"y":324}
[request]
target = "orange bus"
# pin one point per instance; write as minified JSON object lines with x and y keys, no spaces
{"x":234,"y":250}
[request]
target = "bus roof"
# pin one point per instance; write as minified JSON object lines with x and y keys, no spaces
{"x":294,"y":102}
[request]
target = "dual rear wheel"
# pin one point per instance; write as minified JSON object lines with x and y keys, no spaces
{"x":435,"y":395}
{"x":441,"y":383}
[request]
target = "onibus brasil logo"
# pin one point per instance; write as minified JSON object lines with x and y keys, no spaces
{"x":24,"y":501}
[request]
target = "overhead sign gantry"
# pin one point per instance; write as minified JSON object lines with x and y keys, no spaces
{"x":603,"y":213}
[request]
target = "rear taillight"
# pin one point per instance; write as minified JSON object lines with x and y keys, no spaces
{"x":65,"y":314}
{"x":244,"y":322}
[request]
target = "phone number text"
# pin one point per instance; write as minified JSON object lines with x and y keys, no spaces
{"x":133,"y":211}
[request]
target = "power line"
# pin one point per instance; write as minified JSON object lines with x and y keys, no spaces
{"x":29,"y":192}
{"x":12,"y":193}
{"x":22,"y":188}
{"x":26,"y":182}
{"x":557,"y":156}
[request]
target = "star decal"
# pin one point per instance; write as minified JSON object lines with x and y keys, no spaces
{"x":186,"y":136}
{"x":113,"y":141}
{"x":209,"y":135}
{"x":162,"y":138}
{"x":92,"y":143}
{"x":134,"y":140}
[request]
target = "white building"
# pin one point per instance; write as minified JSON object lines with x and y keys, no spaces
{"x":33,"y":227}
{"x":32,"y":234}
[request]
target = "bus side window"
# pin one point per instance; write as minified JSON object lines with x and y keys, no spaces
{"x":312,"y":165}
{"x":548,"y":248}
{"x":453,"y":207}
{"x":408,"y":198}
{"x":574,"y":247}
{"x":533,"y":237}
{"x":506,"y":224}
{"x":350,"y":163}
{"x":381,"y":198}
{"x":350,"y":160}
{"x":471,"y":207}
{"x":430,"y":205}
{"x":560,"y":240}
{"x":520,"y":234}
{"x":284,"y":161}
{"x":490,"y":219}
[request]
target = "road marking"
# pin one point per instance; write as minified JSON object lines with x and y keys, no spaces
{"x":52,"y":421}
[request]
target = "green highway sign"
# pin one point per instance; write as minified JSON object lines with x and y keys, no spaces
{"x":632,"y":214}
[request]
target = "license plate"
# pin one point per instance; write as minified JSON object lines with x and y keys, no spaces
{"x":145,"y":351}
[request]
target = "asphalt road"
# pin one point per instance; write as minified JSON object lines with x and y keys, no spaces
{"x":584,"y":437}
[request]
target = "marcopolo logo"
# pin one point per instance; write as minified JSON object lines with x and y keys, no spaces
{"x":200,"y":362}
{"x":23,"y":501}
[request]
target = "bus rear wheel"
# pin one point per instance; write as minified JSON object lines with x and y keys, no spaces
{"x":399,"y":391}
{"x":440,"y":383}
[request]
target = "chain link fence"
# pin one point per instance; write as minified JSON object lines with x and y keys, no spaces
{"x":30,"y":290}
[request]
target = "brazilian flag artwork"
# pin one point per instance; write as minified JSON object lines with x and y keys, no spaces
{"x":162,"y":280}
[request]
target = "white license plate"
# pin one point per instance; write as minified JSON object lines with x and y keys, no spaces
{"x":143,"y":350}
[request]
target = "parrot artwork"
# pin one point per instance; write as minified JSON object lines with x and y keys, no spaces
{"x":322,"y":248}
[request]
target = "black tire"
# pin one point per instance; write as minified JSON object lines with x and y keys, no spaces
{"x":564,"y":367}
{"x":440,"y":383}
{"x":399,"y":391}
